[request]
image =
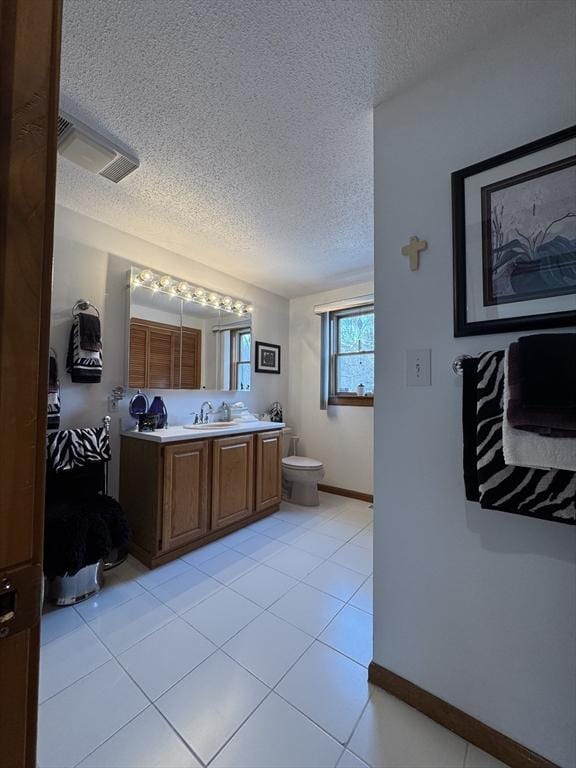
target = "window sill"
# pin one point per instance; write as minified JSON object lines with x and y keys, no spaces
{"x":356,"y":400}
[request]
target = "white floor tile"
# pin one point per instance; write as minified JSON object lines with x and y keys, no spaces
{"x":163,"y":658}
{"x":116,"y":590}
{"x":268,"y":647}
{"x":260,"y":526}
{"x":204,"y":553}
{"x":235,"y":538}
{"x":210,"y":703}
{"x":294,"y":562}
{"x":129,"y":623}
{"x":354,"y":557}
{"x":364,"y":597}
{"x":58,"y":622}
{"x":350,"y":632}
{"x":284,"y":531}
{"x":357,"y":514}
{"x":147,"y":741}
{"x":339,"y":529}
{"x":222,"y":615}
{"x":391,"y":734}
{"x":349,"y":760}
{"x":476,"y":758}
{"x":228,"y":566}
{"x":263,"y":585}
{"x":300,"y":515}
{"x":329,"y":688}
{"x":334,"y":579}
{"x":307,"y":608}
{"x":277,"y":736}
{"x":318,"y":543}
{"x":67,"y":659}
{"x":365,"y":538}
{"x":259,"y":547}
{"x":156,"y":576}
{"x":80,"y":718}
{"x":184,"y":591}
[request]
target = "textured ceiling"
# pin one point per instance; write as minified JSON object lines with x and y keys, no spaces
{"x":252,"y":120}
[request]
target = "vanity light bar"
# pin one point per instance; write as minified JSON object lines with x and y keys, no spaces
{"x":175,"y":287}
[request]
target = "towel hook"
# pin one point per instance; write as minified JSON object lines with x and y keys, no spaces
{"x":457,"y":364}
{"x":82,"y":305}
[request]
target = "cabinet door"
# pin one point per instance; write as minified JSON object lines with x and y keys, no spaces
{"x":268,"y":470}
{"x":162,"y":358}
{"x":185,"y":509}
{"x":138,"y":356}
{"x":191,"y":358}
{"x":232,"y":480}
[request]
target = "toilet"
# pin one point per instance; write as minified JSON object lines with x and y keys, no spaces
{"x":300,"y":478}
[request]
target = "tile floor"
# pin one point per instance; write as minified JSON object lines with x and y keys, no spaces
{"x":250,"y":652}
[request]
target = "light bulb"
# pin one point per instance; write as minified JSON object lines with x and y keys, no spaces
{"x":199,"y":292}
{"x":249,"y":308}
{"x":182,"y":287}
{"x":146,"y":276}
{"x":227,"y":301}
{"x":165,"y":281}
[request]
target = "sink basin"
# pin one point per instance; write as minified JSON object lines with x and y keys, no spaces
{"x":211,"y":425}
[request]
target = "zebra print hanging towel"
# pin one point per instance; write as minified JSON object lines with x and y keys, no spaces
{"x":544,"y":494}
{"x":84,"y":365}
{"x":73,"y":448}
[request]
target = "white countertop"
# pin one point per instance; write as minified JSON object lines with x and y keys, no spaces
{"x":172,"y":434}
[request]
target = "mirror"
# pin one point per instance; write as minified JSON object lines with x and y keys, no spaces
{"x":181,"y":337}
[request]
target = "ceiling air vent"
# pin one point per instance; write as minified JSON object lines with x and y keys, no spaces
{"x":83,"y":146}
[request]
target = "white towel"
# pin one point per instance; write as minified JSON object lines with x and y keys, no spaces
{"x":527,"y":449}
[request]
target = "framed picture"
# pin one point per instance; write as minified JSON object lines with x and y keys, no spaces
{"x":514,"y":239}
{"x":267,"y":358}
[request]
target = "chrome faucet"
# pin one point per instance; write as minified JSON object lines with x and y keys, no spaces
{"x":204,"y":416}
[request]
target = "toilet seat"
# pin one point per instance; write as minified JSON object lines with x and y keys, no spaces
{"x":301,"y":463}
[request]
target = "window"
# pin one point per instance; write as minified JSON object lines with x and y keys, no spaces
{"x":240,"y":358}
{"x":351,"y":356}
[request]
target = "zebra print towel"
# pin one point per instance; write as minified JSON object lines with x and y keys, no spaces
{"x":73,"y":448}
{"x":53,"y":393}
{"x":85,"y":366}
{"x":544,"y":494}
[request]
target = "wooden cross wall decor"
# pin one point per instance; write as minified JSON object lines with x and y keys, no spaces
{"x":412,"y":250}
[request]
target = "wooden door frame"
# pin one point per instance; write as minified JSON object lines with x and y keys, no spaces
{"x":30,"y":33}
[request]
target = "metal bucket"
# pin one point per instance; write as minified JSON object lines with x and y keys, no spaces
{"x":68,"y":590}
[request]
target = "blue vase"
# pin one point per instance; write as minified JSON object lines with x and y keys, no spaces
{"x":159,"y":409}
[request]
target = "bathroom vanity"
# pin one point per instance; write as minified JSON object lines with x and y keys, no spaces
{"x":181,"y":488}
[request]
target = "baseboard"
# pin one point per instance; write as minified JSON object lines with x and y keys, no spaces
{"x":481,"y":735}
{"x":345,"y":492}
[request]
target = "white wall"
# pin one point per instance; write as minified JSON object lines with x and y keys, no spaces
{"x":91,"y":260}
{"x":342,"y":437}
{"x":476,"y":606}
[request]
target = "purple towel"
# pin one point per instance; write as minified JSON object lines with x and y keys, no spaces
{"x":549,"y":422}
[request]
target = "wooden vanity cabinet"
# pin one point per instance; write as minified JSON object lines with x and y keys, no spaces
{"x":180,"y":495}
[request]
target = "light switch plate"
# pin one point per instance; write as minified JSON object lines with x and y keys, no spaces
{"x":418,"y":367}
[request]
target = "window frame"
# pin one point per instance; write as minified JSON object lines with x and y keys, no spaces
{"x":344,"y":398}
{"x":235,"y":358}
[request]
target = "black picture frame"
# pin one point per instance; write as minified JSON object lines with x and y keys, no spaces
{"x":462,"y":325}
{"x":267,"y":358}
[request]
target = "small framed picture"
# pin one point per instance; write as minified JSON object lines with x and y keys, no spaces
{"x":514,"y":238}
{"x":267,"y":358}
